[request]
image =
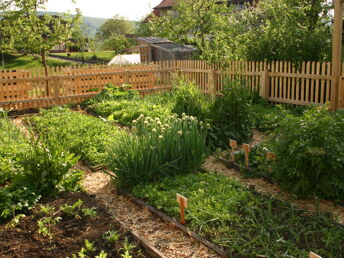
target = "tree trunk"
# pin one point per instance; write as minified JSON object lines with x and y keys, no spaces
{"x":44,"y":63}
{"x":3,"y":60}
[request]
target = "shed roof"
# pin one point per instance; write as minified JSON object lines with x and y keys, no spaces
{"x":153,"y":40}
{"x":174,"y":47}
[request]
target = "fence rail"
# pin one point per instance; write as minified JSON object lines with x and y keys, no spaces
{"x":281,"y":82}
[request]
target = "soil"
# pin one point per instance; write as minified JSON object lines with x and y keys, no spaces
{"x":69,"y":234}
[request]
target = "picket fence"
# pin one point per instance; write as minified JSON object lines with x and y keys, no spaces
{"x":303,"y":83}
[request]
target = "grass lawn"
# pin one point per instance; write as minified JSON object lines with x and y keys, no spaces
{"x":25,"y":62}
{"x":100,"y":55}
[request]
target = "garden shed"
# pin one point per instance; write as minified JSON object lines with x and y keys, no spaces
{"x":159,"y":49}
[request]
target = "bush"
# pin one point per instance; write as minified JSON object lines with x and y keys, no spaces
{"x":230,"y":116}
{"x":158,"y":148}
{"x":310,"y":153}
{"x":189,"y":99}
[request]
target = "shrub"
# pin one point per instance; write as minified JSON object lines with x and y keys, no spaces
{"x":310,"y":153}
{"x":158,"y":148}
{"x":189,"y":99}
{"x":230,"y":116}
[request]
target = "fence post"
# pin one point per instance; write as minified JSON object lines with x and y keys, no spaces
{"x":56,"y":89}
{"x":126,"y":77}
{"x":265,"y":83}
{"x":212,"y":82}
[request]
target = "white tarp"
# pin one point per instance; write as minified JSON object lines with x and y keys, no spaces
{"x":126,"y":59}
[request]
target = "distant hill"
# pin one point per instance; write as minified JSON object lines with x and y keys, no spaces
{"x":89,"y":26}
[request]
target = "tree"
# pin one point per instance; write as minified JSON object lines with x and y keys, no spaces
{"x":115,"y":26}
{"x":6,"y":40}
{"x":117,"y":43}
{"x":198,"y":22}
{"x":289,"y":30}
{"x":35,"y":32}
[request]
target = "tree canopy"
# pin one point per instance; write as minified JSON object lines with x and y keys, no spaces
{"x":290,"y":30}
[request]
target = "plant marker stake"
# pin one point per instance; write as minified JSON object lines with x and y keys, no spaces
{"x":314,"y":255}
{"x":270,"y":156}
{"x":183,"y":203}
{"x":234,"y":145}
{"x":247,"y":149}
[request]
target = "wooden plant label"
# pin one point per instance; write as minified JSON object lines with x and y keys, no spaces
{"x":270,"y":155}
{"x":247,"y":149}
{"x":234,"y":145}
{"x":314,"y":255}
{"x":183,"y":203}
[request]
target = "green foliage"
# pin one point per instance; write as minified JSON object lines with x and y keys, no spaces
{"x":309,"y":152}
{"x":78,"y":133}
{"x":111,"y":93}
{"x":15,"y":221}
{"x":244,"y":223}
{"x":189,"y":99}
{"x":12,"y":145}
{"x":44,"y":168}
{"x":111,"y":236}
{"x":125,"y":111}
{"x":158,"y":148}
{"x":288,"y":30}
{"x":230,"y":116}
{"x":115,"y":26}
{"x":76,"y":210}
{"x":118,"y":43}
{"x":127,"y":248}
{"x":45,"y":224}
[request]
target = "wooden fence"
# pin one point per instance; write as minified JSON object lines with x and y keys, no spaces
{"x":23,"y":89}
{"x":281,"y":82}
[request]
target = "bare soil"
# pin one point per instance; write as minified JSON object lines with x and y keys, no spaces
{"x":69,"y":234}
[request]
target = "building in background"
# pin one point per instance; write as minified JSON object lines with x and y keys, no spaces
{"x":159,"y":49}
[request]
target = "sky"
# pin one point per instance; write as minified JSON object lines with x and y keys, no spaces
{"x":131,"y":9}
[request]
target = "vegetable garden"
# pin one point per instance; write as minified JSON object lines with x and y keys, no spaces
{"x":154,"y":148}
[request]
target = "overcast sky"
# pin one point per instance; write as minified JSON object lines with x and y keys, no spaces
{"x":132,"y":9}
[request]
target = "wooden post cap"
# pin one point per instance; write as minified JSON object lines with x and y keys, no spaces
{"x":233,"y":144}
{"x":314,"y":255}
{"x":246,"y":147}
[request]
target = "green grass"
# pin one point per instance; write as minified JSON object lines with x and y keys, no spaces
{"x":100,"y":55}
{"x":244,"y":223}
{"x":26,"y":62}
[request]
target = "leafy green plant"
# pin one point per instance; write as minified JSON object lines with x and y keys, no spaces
{"x":15,"y":221}
{"x":189,"y":99}
{"x":102,"y":254}
{"x":309,"y":153}
{"x":76,"y":209}
{"x":45,"y":224}
{"x":127,"y":248}
{"x":158,"y":148}
{"x":44,"y":167}
{"x":230,"y":116}
{"x":245,"y":223}
{"x":111,"y":92}
{"x":111,"y":236}
{"x":78,"y":133}
{"x":47,"y":210}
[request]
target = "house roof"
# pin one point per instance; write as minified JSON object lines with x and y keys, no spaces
{"x":174,"y":47}
{"x":165,"y":4}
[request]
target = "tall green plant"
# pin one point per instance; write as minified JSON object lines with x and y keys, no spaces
{"x":189,"y":99}
{"x":158,"y":148}
{"x":310,"y":153}
{"x":230,"y":115}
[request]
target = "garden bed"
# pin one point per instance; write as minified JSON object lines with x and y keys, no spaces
{"x":69,"y":234}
